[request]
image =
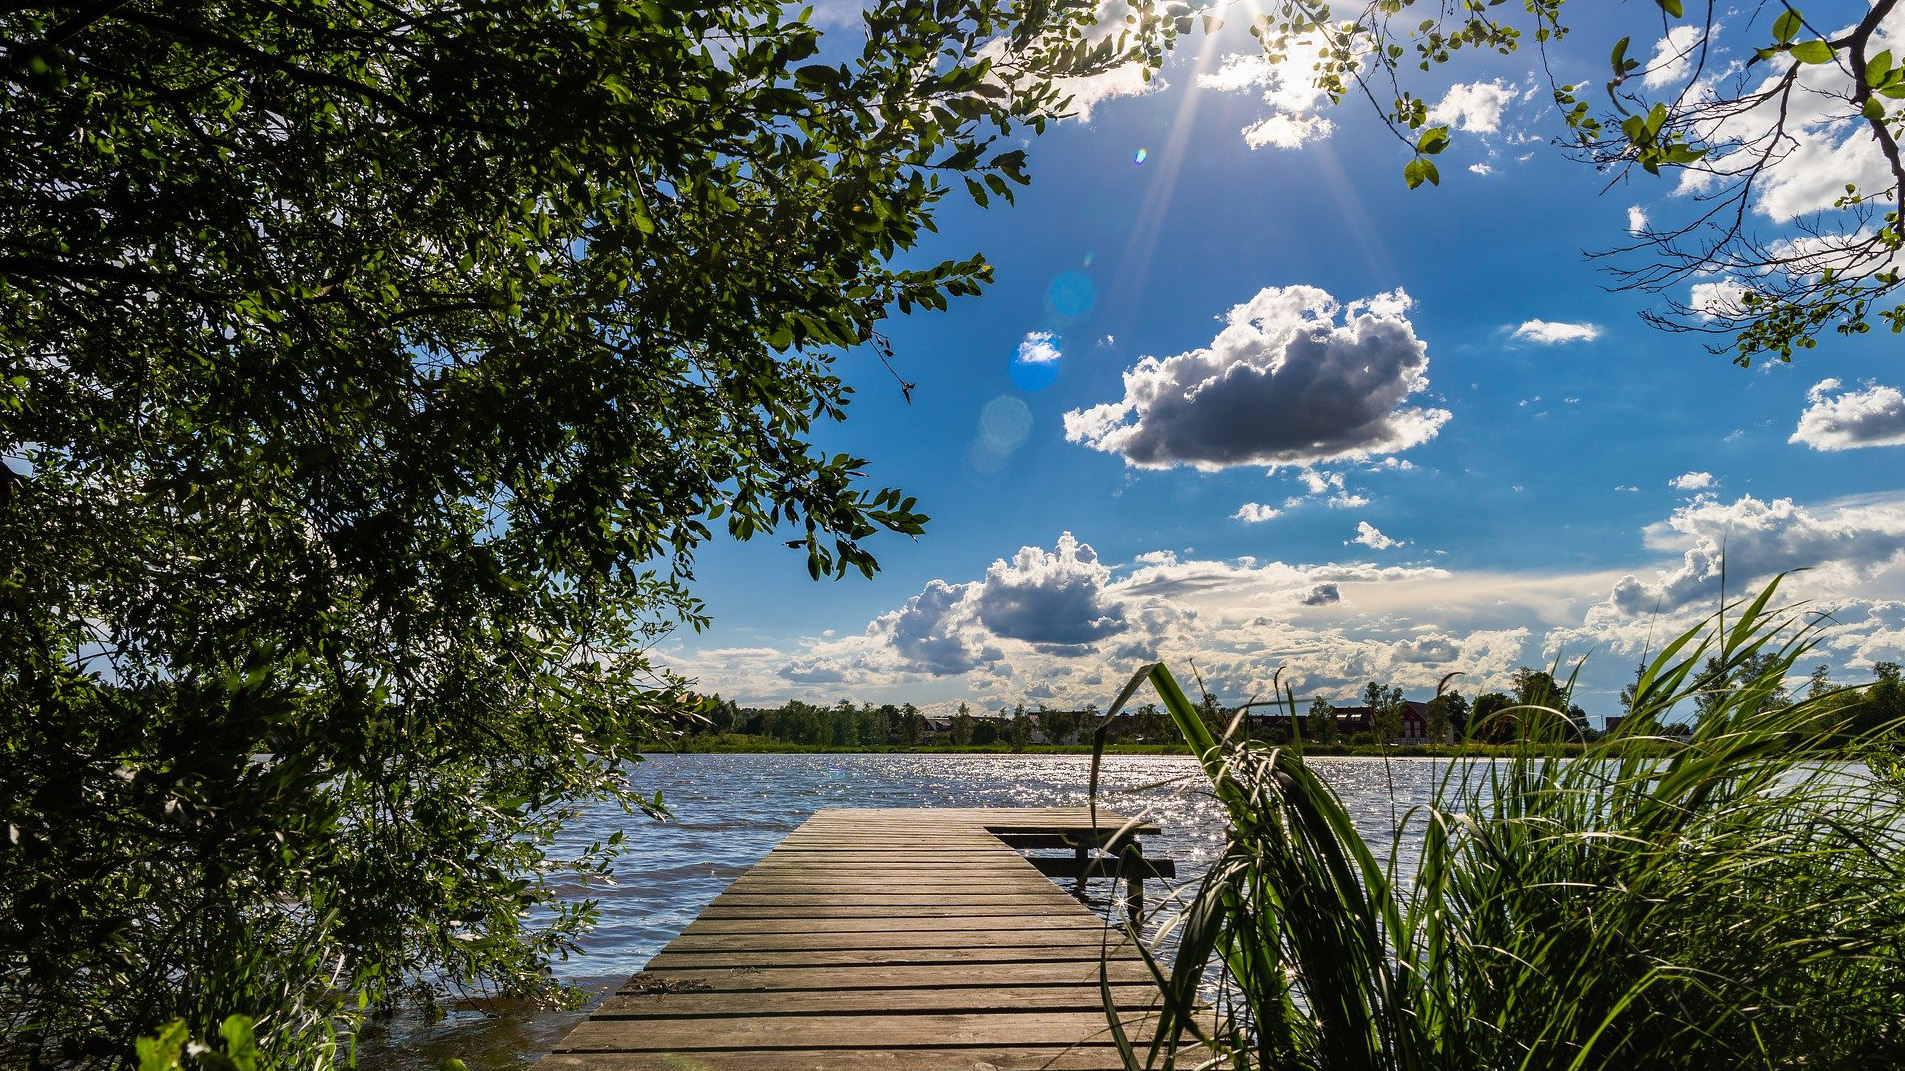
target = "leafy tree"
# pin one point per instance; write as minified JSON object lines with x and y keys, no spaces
{"x":1018,"y":731}
{"x":1057,"y":725}
{"x":1819,"y":682}
{"x":985,"y":732}
{"x":1883,"y":706}
{"x":1151,"y":723}
{"x":1487,"y":720}
{"x":910,"y":726}
{"x":369,"y":375}
{"x":1321,"y":727}
{"x":1447,"y":716}
{"x":1538,"y":688}
{"x":1385,"y":711}
{"x":962,"y":726}
{"x":1717,"y":684}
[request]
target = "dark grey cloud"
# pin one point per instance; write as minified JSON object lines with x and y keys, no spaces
{"x":1428,"y":649}
{"x":1282,"y":384}
{"x":1053,"y":600}
{"x":815,"y":671}
{"x":934,"y":632}
{"x":1323,"y":595}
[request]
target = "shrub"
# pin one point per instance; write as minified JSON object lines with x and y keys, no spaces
{"x":1737,"y":902}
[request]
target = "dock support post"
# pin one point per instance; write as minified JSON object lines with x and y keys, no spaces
{"x":1081,"y":852}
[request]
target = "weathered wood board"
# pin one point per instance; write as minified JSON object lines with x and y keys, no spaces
{"x":886,"y":940}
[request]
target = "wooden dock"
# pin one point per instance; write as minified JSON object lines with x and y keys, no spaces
{"x":886,"y":940}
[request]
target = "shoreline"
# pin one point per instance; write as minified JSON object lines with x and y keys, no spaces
{"x":737,"y":744}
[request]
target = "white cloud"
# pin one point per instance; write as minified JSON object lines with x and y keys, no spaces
{"x":1369,"y":536}
{"x":1240,"y":71}
{"x":1039,"y":347}
{"x":1693,"y":481}
{"x":1672,"y":61}
{"x":1321,"y":482}
{"x":1816,"y":141}
{"x":1636,"y":220}
{"x":1330,"y":627}
{"x":1473,"y":106}
{"x":1347,"y":501}
{"x":1088,"y":92}
{"x":1255,"y":513}
{"x":1716,"y":301}
{"x":1289,"y":91}
{"x":1840,"y":419}
{"x":1282,"y":384}
{"x":1748,"y":540}
{"x":1554,"y":334}
{"x":1287,"y":131}
{"x":937,"y":631}
{"x":1481,"y":169}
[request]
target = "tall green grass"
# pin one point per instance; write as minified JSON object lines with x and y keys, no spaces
{"x":1738,"y":902}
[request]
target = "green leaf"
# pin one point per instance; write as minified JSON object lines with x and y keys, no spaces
{"x":161,"y":1051}
{"x":1618,"y":58}
{"x":1787,"y":27}
{"x":1814,"y":51}
{"x":241,"y":1043}
{"x":1877,"y":68}
{"x":1873,"y":109}
{"x":1671,"y":7}
{"x":1433,"y":140}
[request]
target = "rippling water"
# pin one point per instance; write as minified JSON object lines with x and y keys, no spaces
{"x":730,"y":810}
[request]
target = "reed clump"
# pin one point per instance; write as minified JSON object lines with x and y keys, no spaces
{"x":1738,"y":902}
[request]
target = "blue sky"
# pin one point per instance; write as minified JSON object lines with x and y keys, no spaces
{"x":1260,"y":407}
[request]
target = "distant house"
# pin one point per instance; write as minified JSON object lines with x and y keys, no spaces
{"x":1361,"y":719}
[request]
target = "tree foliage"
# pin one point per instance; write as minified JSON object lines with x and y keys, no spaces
{"x":369,"y":375}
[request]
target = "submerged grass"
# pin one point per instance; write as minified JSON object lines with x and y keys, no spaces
{"x":1735,"y":903}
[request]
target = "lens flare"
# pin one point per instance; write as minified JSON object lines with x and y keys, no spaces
{"x":1138,"y":158}
{"x":1035,"y":364}
{"x":1072,"y":295}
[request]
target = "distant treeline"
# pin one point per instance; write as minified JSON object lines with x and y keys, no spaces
{"x":1383,"y":717}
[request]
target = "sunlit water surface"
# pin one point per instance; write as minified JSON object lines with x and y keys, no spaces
{"x":730,"y":810}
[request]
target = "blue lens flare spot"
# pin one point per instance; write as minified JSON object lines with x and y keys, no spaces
{"x":1072,"y":294}
{"x":1035,"y":363}
{"x":1138,"y":158}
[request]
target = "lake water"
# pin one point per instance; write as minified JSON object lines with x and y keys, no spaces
{"x":730,"y":810}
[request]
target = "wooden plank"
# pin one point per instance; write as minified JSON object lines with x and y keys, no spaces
{"x":949,"y":1058}
{"x":871,"y":1001}
{"x":803,"y":938}
{"x":890,"y":922}
{"x":850,"y":1031}
{"x":892,"y":900}
{"x":668,"y":960}
{"x":1005,"y":908}
{"x":941,"y":976}
{"x":854,"y":880}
